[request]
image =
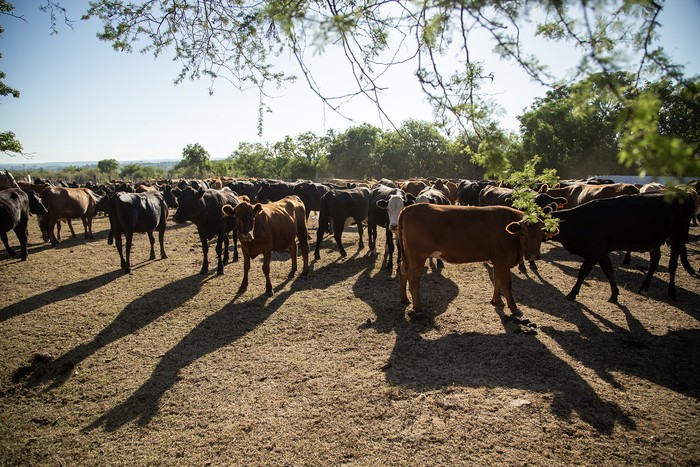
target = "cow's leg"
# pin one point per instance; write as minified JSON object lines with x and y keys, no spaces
{"x":521,"y":266}
{"x":414,"y":277}
{"x":161,"y":240}
{"x":152,"y":241}
{"x":338,"y":235}
{"x":267,"y":256}
{"x":505,"y":281}
{"x":220,"y":254}
{"x":372,"y":236}
{"x":672,"y":267}
{"x":88,"y":232}
{"x":85,"y":228}
{"x":359,"y":231}
{"x":58,"y":230}
{"x":390,"y":249}
{"x":51,"y":227}
{"x":226,"y":243}
{"x":22,"y":236}
{"x":654,"y":257}
{"x":70,"y":226}
{"x":246,"y":268}
{"x":319,"y":238}
{"x":684,"y":261}
{"x":234,"y":235}
{"x":303,"y":237}
{"x":607,"y":268}
{"x":583,"y":272}
{"x":205,"y":253}
{"x":118,"y":243}
{"x":293,"y":254}
{"x":496,"y":300}
{"x":403,"y":280}
{"x":8,"y":248}
{"x":129,"y":240}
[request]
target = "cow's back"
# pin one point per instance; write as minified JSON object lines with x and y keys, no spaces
{"x":278,"y":223}
{"x":638,"y":222}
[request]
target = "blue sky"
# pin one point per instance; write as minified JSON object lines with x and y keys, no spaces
{"x":82,"y":101}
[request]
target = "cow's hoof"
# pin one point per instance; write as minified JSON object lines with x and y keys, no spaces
{"x":497,"y":302}
{"x":220,"y":273}
{"x":269,"y":292}
{"x":204,"y":271}
{"x":517,"y":314}
{"x":317,"y":257}
{"x":521,"y":268}
{"x":23,"y":258}
{"x":571,"y":297}
{"x":163,"y":256}
{"x":612,"y":299}
{"x":152,"y":257}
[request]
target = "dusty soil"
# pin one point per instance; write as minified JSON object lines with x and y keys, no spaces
{"x":167,"y":366}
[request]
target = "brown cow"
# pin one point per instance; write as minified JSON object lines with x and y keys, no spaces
{"x":580,"y":193}
{"x":67,"y":203}
{"x":264,"y":228}
{"x":413,"y":187}
{"x":465,"y":234}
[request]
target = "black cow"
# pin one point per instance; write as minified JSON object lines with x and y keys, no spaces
{"x":381,"y":215}
{"x":432,"y":195}
{"x":274,"y":191}
{"x":468,"y":191}
{"x":310,"y":194}
{"x":641,"y":223}
{"x":15,"y":207}
{"x":137,"y":212}
{"x":203,"y":207}
{"x":338,"y":206}
{"x":245,"y":187}
{"x":500,"y":196}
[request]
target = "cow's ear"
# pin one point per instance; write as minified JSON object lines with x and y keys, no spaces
{"x":176,"y":192}
{"x":257,"y":209}
{"x":382,"y":203}
{"x":200,"y":193}
{"x":227,"y":209}
{"x":410,"y":199}
{"x":513,"y":228}
{"x":244,"y":198}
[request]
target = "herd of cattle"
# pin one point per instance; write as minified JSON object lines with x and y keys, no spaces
{"x":455,"y":221}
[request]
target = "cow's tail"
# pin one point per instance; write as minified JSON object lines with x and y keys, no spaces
{"x":324,"y":210}
{"x":403,"y":264}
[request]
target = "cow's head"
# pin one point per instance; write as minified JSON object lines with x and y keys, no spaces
{"x":35,"y":204}
{"x":530,"y":237}
{"x":244,"y":214}
{"x":170,"y":195}
{"x":394,"y":204}
{"x":188,"y":205}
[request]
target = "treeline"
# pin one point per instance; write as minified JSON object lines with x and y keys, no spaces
{"x":575,"y":137}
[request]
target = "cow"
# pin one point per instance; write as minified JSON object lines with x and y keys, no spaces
{"x":379,"y":215}
{"x":432,"y":196}
{"x":310,"y":194}
{"x":264,"y":228}
{"x":7,"y":181}
{"x":339,"y":206}
{"x":468,"y":191}
{"x":245,"y":187}
{"x":641,"y":222}
{"x":137,"y":212}
{"x":465,"y":234}
{"x":274,"y":191}
{"x":67,"y":203}
{"x":15,"y":207}
{"x":203,"y":207}
{"x":413,"y":187}
{"x":501,"y":196}
{"x":580,"y":193}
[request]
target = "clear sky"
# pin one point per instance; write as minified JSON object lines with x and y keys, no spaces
{"x":82,"y":101}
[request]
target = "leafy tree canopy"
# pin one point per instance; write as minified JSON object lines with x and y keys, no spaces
{"x":195,"y":161}
{"x":107,"y":166}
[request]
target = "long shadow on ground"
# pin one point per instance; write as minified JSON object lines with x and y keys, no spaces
{"x":224,"y":327}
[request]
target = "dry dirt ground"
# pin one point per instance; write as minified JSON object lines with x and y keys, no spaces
{"x":167,"y":366}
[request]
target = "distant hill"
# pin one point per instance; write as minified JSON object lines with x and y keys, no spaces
{"x":23,"y":164}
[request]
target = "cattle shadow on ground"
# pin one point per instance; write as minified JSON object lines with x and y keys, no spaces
{"x":233,"y":321}
{"x":133,"y":317}
{"x":64,"y":292}
{"x":476,"y":360}
{"x":669,"y":360}
{"x":381,"y":292}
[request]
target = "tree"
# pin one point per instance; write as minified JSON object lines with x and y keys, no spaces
{"x":350,"y":153}
{"x":194,"y":163}
{"x":240,"y":40}
{"x":108,"y":166}
{"x":139,"y":172}
{"x":9,"y":144}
